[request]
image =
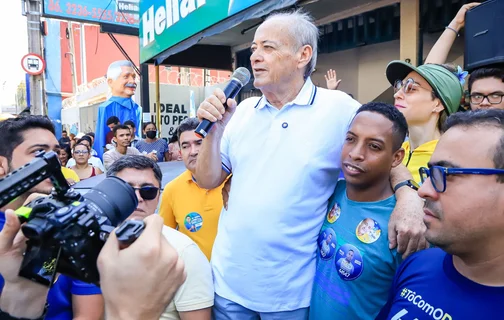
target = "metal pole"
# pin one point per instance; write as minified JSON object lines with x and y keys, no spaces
{"x":144,"y":89}
{"x":83,"y":53}
{"x":73,"y":68}
{"x":35,"y":46}
{"x":158,"y":102}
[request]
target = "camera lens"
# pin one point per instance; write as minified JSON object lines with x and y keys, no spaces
{"x":114,"y":198}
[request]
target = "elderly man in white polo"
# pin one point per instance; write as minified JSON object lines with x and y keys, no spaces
{"x":263,"y":259}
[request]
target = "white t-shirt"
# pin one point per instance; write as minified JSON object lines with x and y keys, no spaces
{"x":285,"y":166}
{"x":197,"y":292}
{"x":113,"y":155}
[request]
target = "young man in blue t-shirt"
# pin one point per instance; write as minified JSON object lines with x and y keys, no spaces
{"x":20,"y":140}
{"x":463,"y":189}
{"x":355,"y":266}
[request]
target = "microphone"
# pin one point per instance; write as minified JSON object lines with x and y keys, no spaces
{"x":240,"y":78}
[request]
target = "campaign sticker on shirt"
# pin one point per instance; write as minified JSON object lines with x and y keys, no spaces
{"x":193,"y":222}
{"x":327,"y":243}
{"x":368,"y":231}
{"x":349,"y":262}
{"x":334,"y":213}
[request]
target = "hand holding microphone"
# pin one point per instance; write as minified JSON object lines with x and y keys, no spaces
{"x":219,"y":107}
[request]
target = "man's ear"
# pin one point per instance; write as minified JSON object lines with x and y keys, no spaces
{"x":4,"y":167}
{"x":398,"y":157}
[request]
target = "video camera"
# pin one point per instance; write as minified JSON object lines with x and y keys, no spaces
{"x":66,"y":230}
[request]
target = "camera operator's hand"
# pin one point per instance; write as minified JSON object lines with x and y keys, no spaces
{"x":20,"y":297}
{"x":139,"y":282}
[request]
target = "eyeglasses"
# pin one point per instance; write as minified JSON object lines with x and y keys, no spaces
{"x":81,"y":152}
{"x":493,"y":98}
{"x":148,"y":192}
{"x":438,"y":174}
{"x":407,"y":86}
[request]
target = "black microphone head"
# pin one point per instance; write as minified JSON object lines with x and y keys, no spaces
{"x":242,"y":75}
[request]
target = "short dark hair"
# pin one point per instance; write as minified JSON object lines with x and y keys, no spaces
{"x":86,"y":138}
{"x":91,"y":134}
{"x":120,"y":127}
{"x":82,"y":144}
{"x":483,"y":73}
{"x":112,"y":120}
{"x":64,"y":131}
{"x":174,"y":137}
{"x":147,"y":123}
{"x":400,"y":128}
{"x":482,"y":118}
{"x":135,"y":162}
{"x":11,"y":132}
{"x":129,"y":123}
{"x":189,"y":124}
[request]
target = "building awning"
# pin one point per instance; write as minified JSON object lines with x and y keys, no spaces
{"x":167,"y":29}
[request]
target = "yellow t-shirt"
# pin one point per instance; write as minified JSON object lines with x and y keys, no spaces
{"x":70,"y":174}
{"x":419,"y":157}
{"x":194,"y":210}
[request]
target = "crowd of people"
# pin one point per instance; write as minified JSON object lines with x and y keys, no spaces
{"x":389,"y":212}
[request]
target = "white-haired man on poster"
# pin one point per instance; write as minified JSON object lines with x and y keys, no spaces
{"x":121,"y":78}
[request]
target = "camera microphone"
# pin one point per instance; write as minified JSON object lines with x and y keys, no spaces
{"x":240,"y":78}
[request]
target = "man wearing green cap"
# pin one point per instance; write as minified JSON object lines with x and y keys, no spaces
{"x":426,"y":96}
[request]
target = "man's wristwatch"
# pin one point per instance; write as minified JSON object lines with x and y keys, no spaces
{"x":410,"y":183}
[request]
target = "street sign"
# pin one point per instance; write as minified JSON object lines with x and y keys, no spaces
{"x":33,"y":64}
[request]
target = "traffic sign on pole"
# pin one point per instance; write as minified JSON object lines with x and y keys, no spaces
{"x":33,"y":64}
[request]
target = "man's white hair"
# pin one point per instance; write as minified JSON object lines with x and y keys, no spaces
{"x":115,"y":68}
{"x":303,"y":30}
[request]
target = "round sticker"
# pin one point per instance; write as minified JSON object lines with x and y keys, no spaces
{"x":327,"y":243}
{"x":348,"y":262}
{"x":334,"y":213}
{"x":193,"y":222}
{"x":368,"y":230}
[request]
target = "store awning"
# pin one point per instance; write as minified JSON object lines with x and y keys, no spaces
{"x":167,"y":29}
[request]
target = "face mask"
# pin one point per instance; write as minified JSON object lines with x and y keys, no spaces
{"x":151,"y":134}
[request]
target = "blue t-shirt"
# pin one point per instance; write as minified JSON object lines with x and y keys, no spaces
{"x":59,"y":297}
{"x":355,"y":267}
{"x":159,"y":145}
{"x":427,"y":286}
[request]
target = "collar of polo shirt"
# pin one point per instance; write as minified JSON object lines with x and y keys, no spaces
{"x":306,"y":96}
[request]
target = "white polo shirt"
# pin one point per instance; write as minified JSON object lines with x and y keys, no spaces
{"x":285,"y":165}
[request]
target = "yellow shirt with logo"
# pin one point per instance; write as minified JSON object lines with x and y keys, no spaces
{"x":193,"y":209}
{"x":419,"y":157}
{"x":70,"y":174}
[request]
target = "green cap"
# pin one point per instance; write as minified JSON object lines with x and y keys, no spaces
{"x":445,"y":83}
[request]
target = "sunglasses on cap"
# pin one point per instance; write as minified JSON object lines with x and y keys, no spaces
{"x":147,"y":192}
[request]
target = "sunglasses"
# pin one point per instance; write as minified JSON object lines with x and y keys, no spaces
{"x":407,"y":86}
{"x":148,"y":192}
